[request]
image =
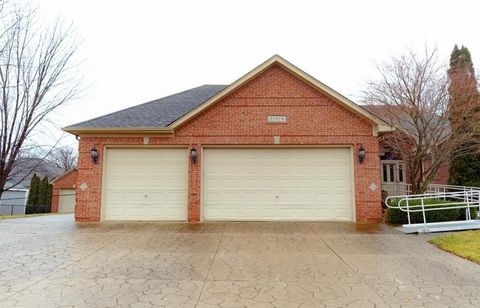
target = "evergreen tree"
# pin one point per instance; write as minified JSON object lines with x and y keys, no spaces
{"x":33,"y":192}
{"x":43,"y":191}
{"x":465,"y":170}
{"x":49,"y":195}
{"x":464,"y":103}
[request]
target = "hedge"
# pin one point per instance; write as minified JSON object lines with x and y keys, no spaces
{"x":37,"y":209}
{"x":397,"y":216}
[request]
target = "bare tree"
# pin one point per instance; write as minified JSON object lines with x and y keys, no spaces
{"x":64,"y":158}
{"x":412,"y":95}
{"x":36,"y":77}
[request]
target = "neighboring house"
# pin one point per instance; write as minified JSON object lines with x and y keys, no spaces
{"x":393,"y":172}
{"x":276,"y":144}
{"x":63,"y":192}
{"x":14,"y":200}
{"x":26,"y":167}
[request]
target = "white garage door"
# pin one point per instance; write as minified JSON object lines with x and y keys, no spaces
{"x":66,"y":201}
{"x":146,"y":184}
{"x":278,"y":184}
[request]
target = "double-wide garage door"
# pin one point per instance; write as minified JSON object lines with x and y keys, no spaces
{"x":237,"y":184}
{"x":277,"y":184}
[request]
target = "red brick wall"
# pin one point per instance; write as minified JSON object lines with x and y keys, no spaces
{"x":68,"y":181}
{"x":241,"y":119}
{"x":441,"y":177}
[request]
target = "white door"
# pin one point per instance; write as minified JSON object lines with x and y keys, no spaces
{"x":146,"y":184}
{"x":393,"y":177}
{"x":277,"y":184}
{"x":66,"y":201}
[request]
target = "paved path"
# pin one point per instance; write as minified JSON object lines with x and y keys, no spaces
{"x":51,"y":262}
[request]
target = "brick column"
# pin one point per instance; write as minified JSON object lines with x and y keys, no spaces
{"x":367,"y":201}
{"x":55,"y":199}
{"x":89,"y":181}
{"x":194,"y":173}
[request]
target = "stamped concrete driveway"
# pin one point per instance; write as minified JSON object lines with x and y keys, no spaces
{"x":52,"y":262}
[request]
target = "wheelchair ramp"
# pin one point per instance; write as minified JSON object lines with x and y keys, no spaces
{"x":421,"y":204}
{"x":433,"y":227}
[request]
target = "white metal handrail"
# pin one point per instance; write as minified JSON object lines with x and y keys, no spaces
{"x":405,"y":188}
{"x":465,"y":199}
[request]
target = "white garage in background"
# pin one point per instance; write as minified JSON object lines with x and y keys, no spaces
{"x":145,"y":184}
{"x":278,"y":184}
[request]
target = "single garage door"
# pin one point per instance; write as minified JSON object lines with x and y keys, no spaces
{"x":278,"y":184}
{"x":146,"y":184}
{"x":66,"y":201}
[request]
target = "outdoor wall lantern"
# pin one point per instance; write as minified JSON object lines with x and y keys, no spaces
{"x":94,"y":154}
{"x":361,"y":153}
{"x":193,"y":155}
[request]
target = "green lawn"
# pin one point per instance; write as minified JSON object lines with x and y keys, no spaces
{"x":463,"y":244}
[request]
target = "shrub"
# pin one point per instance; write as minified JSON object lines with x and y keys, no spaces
{"x":397,"y":216}
{"x":29,"y":209}
{"x":40,"y":209}
{"x":473,"y":213}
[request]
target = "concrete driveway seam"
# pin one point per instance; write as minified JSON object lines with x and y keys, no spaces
{"x":209,"y":269}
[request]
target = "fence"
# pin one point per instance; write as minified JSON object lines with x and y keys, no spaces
{"x":13,"y":201}
{"x":17,"y":206}
{"x":11,"y":209}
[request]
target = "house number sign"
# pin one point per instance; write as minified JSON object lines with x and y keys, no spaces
{"x":277,"y":119}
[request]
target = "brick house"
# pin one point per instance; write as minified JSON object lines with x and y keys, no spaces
{"x":276,"y":144}
{"x":63,"y":192}
{"x":394,"y":176}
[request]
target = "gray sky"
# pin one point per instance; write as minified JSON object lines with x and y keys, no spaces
{"x":141,"y":50}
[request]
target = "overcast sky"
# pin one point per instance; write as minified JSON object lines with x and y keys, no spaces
{"x":137,"y":51}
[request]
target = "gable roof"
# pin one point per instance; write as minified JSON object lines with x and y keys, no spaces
{"x":277,"y":60}
{"x":165,"y":114}
{"x":61,"y":176}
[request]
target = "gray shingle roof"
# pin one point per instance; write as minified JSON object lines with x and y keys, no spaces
{"x":157,"y":113}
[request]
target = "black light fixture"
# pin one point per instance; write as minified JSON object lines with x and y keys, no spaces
{"x":361,"y":153}
{"x":193,"y":155}
{"x":94,"y":154}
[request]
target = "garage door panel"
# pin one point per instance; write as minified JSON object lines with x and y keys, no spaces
{"x":146,"y":184}
{"x":246,"y":197}
{"x":120,"y":196}
{"x":277,"y":184}
{"x":171,"y":183}
{"x":119,"y":182}
{"x":174,"y":196}
{"x":67,"y":201}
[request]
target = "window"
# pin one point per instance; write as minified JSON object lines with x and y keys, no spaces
{"x":392,"y":173}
